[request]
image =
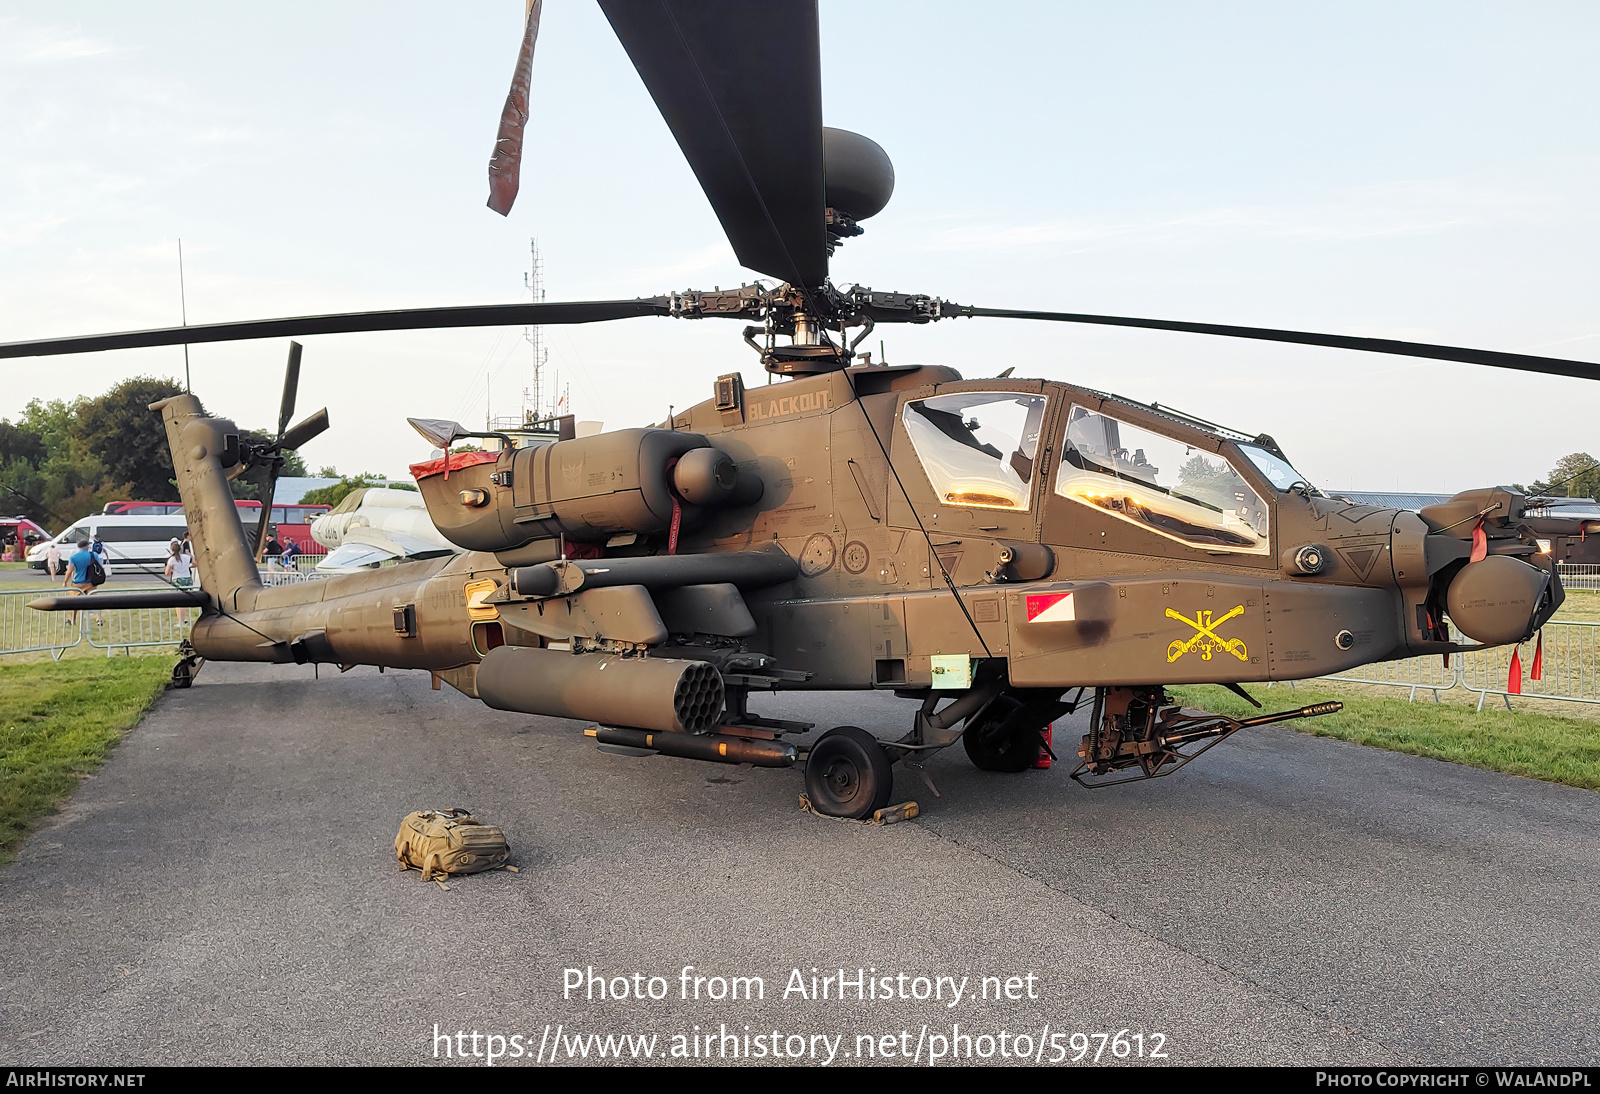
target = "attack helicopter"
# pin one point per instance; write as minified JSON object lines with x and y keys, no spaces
{"x":998,"y":551}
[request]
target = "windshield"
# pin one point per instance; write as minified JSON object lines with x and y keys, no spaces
{"x":1162,"y":484}
{"x":1278,"y":471}
{"x":978,"y":447}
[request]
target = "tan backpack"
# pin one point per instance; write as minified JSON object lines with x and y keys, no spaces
{"x":449,"y":842}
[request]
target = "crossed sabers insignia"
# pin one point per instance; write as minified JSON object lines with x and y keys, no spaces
{"x":1206,"y":639}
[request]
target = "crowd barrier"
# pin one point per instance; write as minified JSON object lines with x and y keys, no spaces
{"x":23,"y":630}
{"x":1579,"y":576}
{"x":1568,"y":655}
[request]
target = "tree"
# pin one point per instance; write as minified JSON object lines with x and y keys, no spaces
{"x":333,"y":495}
{"x":1576,"y":475}
{"x":18,"y":444}
{"x":129,"y":441}
{"x":21,"y":484}
{"x":69,"y":482}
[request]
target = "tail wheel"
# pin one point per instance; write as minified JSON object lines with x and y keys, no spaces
{"x":848,"y":774}
{"x":1005,"y":740}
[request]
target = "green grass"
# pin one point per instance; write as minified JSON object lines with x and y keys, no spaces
{"x":1581,"y":606}
{"x":1541,"y":746}
{"x":58,"y":721}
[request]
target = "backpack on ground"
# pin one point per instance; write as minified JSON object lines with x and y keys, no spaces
{"x":449,"y":841}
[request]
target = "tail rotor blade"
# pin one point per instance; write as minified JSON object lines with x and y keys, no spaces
{"x":291,"y":384}
{"x":266,"y":511}
{"x":304,"y":431}
{"x":505,"y":166}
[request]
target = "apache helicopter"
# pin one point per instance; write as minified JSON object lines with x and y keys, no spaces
{"x":1018,"y":547}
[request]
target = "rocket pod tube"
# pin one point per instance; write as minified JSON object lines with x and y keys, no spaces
{"x":658,"y":693}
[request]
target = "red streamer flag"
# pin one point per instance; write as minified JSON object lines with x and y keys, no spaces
{"x":505,"y":166}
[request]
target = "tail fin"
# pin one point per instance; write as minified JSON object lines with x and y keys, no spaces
{"x":204,"y":450}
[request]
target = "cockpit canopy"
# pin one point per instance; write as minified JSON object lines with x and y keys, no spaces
{"x":979,"y":449}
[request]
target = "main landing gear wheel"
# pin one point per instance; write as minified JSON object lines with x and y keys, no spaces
{"x":1005,"y":740}
{"x":848,"y":774}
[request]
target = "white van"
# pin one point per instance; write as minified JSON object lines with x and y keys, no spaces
{"x":134,"y":545}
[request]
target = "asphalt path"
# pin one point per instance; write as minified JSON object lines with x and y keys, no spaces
{"x":224,"y":891}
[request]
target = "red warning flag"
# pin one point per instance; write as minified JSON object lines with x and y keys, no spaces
{"x":1480,"y":543}
{"x":1514,"y":677}
{"x":1537,"y":672}
{"x":505,"y":166}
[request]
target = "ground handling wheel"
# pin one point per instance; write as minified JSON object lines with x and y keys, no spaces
{"x":848,"y":774}
{"x":1006,"y":738}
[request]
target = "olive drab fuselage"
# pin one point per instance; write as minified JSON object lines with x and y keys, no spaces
{"x":1063,"y":583}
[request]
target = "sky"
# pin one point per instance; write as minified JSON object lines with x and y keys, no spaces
{"x":1422,"y":171}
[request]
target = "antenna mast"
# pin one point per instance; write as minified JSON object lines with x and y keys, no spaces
{"x":533,"y":407}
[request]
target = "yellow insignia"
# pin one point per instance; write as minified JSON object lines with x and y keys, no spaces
{"x":1206,"y":640}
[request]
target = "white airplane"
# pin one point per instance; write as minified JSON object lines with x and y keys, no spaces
{"x":374,"y":525}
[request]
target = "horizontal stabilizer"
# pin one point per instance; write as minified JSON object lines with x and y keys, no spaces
{"x":133,"y":598}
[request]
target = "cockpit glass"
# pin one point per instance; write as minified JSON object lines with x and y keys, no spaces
{"x":1173,"y":489}
{"x":978,"y":447}
{"x":1277,"y":470}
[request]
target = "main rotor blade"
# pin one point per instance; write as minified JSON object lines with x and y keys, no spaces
{"x":1555,"y":366}
{"x":505,"y":166}
{"x":489,"y":315}
{"x":740,"y":86}
{"x":300,"y":434}
{"x":291,"y":384}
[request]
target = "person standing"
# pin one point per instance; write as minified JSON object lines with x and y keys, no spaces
{"x":180,"y":571}
{"x":290,"y":550}
{"x":188,"y":553}
{"x":270,"y":551}
{"x":55,"y":561}
{"x":78,"y":574}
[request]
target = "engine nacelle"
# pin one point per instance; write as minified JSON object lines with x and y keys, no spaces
{"x":587,"y":489}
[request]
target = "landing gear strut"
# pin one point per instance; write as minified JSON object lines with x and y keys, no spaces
{"x":187,"y":668}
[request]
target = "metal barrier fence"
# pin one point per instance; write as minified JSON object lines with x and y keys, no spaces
{"x":1580,"y":577}
{"x":302,"y":568}
{"x":1570,"y":664}
{"x":23,"y":630}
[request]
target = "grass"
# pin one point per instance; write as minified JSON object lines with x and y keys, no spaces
{"x":1542,"y":746}
{"x":58,"y":721}
{"x":1580,"y":607}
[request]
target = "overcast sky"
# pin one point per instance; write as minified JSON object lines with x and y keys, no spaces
{"x":1424,"y":171}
